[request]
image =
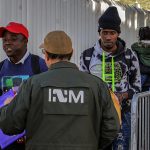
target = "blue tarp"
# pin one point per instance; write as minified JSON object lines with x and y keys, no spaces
{"x":6,"y":140}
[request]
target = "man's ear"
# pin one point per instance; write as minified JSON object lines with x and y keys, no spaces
{"x":46,"y":57}
{"x":48,"y":60}
{"x":25,"y":40}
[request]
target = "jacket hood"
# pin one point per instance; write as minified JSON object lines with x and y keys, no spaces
{"x":143,"y":53}
{"x":121,"y":45}
{"x":137,"y":47}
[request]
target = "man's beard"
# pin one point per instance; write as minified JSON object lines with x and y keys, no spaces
{"x":108,"y":45}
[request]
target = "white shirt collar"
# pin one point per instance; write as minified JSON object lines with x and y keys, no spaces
{"x":23,"y":58}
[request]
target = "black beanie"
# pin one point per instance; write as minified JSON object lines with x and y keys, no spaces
{"x":110,"y":20}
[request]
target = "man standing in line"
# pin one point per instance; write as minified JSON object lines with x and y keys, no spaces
{"x":142,"y":49}
{"x":110,"y":60}
{"x":19,"y":62}
{"x":63,"y":108}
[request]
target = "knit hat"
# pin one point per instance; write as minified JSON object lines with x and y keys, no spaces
{"x":57,"y":42}
{"x":15,"y":27}
{"x":110,"y":20}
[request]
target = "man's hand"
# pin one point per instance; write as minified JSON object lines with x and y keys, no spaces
{"x":8,"y":100}
{"x":21,"y":140}
{"x":122,"y":96}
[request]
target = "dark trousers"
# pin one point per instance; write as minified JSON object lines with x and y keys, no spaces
{"x":108,"y":147}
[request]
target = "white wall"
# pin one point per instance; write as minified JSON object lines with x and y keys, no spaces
{"x":76,"y":17}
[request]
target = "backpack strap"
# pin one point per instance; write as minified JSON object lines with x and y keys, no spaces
{"x":87,"y":55}
{"x":127,"y":55}
{"x":1,"y":64}
{"x":35,"y":64}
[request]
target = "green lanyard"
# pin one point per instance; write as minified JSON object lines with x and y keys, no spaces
{"x":108,"y":77}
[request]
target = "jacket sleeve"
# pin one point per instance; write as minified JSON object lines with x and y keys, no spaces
{"x":83,"y":67}
{"x":13,"y":116}
{"x":134,"y":76}
{"x":110,"y":125}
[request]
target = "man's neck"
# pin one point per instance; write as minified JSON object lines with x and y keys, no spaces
{"x":17,"y":58}
{"x":112,"y":50}
{"x":53,"y":61}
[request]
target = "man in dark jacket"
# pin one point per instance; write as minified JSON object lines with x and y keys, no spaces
{"x":142,"y":49}
{"x":63,"y":108}
{"x":110,"y":60}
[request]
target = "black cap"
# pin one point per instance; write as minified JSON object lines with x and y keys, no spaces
{"x":110,"y":20}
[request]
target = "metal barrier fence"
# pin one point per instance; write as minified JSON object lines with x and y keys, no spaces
{"x":140,"y":121}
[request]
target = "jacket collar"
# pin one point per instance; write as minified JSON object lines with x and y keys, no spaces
{"x":120,"y":48}
{"x":23,"y":59}
{"x":63,"y":64}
